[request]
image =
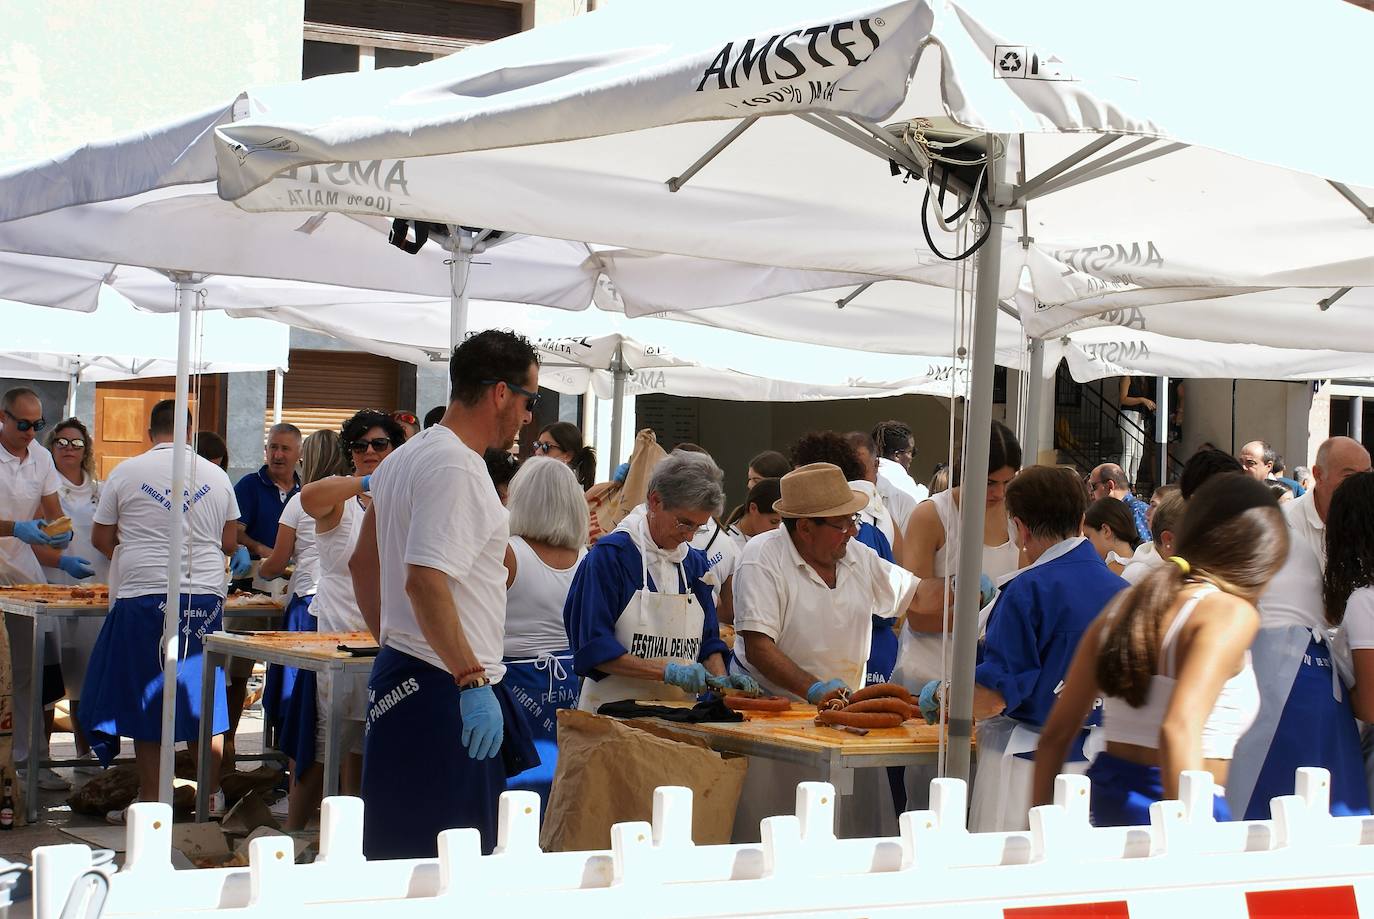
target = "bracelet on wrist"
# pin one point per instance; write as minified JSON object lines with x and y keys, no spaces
{"x":459,"y":678}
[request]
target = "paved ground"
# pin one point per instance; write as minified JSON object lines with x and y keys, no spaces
{"x":55,"y":816}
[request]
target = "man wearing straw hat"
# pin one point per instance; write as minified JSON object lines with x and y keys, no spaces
{"x":805,"y":597}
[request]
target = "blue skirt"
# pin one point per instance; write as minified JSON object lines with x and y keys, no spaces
{"x":1315,"y":729}
{"x":882,"y":654}
{"x":281,"y":681}
{"x":1122,"y":793}
{"x":123,"y":692}
{"x":418,"y":779}
{"x":539,"y":687}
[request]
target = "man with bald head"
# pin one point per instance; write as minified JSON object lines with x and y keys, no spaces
{"x":1337,"y":460}
{"x":1109,"y":479}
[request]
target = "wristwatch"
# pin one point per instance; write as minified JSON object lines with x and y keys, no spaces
{"x":483,"y":680}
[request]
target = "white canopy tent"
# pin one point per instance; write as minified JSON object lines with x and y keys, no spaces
{"x":591,"y":114}
{"x":121,"y":342}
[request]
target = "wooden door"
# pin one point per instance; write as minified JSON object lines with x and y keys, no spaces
{"x":122,"y":410}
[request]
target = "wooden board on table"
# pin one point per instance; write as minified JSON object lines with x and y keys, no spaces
{"x":911,"y":732}
{"x":797,"y":728}
{"x":239,"y":600}
{"x":314,"y":644}
{"x":71,"y":596}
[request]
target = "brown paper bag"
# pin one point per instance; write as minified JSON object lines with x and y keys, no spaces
{"x":610,"y":502}
{"x":608,"y":770}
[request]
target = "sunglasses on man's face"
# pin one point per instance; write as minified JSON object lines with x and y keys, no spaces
{"x":25,"y":424}
{"x":378,"y":444}
{"x":531,"y":398}
{"x":76,"y":443}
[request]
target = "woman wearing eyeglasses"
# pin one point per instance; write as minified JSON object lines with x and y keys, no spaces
{"x":79,"y":492}
{"x":641,"y":622}
{"x":563,"y":441}
{"x":337,"y":504}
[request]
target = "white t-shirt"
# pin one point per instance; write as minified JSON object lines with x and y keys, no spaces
{"x":335,"y":605}
{"x":899,"y":491}
{"x":1305,"y":525}
{"x":1294,"y":596}
{"x":1358,"y":623}
{"x":136,"y":499}
{"x":305,"y":582}
{"x":1145,"y":560}
{"x":825,"y":632}
{"x":23,"y":483}
{"x":721,"y":558}
{"x":435,"y":508}
{"x":79,"y":503}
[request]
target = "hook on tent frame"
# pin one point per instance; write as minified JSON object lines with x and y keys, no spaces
{"x":1355,"y":200}
{"x":676,"y":182}
{"x":847,"y":298}
{"x":1327,"y":302}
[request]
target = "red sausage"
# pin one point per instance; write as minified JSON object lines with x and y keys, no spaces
{"x":882,"y":691}
{"x":762,"y":704}
{"x":894,"y":706}
{"x":860,"y":719}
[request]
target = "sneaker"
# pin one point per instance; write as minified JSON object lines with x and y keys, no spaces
{"x":217,"y":807}
{"x":280,"y":808}
{"x":119,"y":817}
{"x":89,"y":768}
{"x":49,"y":780}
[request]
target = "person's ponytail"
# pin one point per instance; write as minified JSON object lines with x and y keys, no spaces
{"x":1128,"y":649}
{"x":583,"y":464}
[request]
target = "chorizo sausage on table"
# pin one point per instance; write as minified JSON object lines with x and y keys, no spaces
{"x":860,"y":719}
{"x":760,"y":704}
{"x":882,"y":691}
{"x":894,"y":706}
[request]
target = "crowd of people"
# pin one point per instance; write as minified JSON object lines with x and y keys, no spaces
{"x":1225,"y":623}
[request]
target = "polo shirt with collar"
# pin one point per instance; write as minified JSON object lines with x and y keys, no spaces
{"x":825,"y":631}
{"x":1305,"y":524}
{"x":261,"y":503}
{"x":24,"y":481}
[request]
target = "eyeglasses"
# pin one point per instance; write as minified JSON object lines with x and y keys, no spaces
{"x":851,"y":522}
{"x":540,"y":446}
{"x":76,"y":443}
{"x":686,"y":526}
{"x":25,"y":424}
{"x":531,"y":398}
{"x":379,"y":444}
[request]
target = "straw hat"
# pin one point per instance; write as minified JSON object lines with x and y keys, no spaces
{"x":818,"y":490}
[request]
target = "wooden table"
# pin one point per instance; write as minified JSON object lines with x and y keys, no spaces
{"x":317,"y":652}
{"x":46,"y":613}
{"x":794,"y":737}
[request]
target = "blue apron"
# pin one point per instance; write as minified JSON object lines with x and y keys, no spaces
{"x":123,"y":692}
{"x":418,"y":779}
{"x":1122,"y":792}
{"x":539,"y":687}
{"x":882,"y":654}
{"x":1305,"y":719}
{"x":281,"y":681}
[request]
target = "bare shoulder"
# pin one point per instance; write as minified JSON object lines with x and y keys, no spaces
{"x":1226,"y":614}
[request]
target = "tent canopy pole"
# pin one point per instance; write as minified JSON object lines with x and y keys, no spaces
{"x":617,"y":404}
{"x":973,"y":490}
{"x":1035,"y":390}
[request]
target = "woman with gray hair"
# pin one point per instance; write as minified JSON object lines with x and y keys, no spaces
{"x":640,"y":619}
{"x":548,"y":537}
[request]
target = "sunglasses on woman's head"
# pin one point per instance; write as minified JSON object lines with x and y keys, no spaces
{"x":74,"y":442}
{"x":405,"y":417}
{"x":378,"y":444}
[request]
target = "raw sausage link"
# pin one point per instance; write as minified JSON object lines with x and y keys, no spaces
{"x":895,"y":706}
{"x":882,"y":691}
{"x":860,"y":719}
{"x":763,"y":704}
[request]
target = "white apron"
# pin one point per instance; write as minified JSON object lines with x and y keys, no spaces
{"x":655,"y":624}
{"x":1001,"y":797}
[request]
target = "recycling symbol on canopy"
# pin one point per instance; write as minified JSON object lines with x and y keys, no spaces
{"x":1010,"y":61}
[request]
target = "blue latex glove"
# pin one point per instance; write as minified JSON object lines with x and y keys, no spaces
{"x":31,"y":532}
{"x":930,"y":701}
{"x":820,"y":690}
{"x":687,"y":677}
{"x":240,"y":563}
{"x":745,"y":684}
{"x":483,"y":727}
{"x":621,"y":472}
{"x":987,"y":591}
{"x":75,"y":566}
{"x":367,"y":484}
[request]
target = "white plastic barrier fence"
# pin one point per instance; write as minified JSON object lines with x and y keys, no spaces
{"x":1184,"y":864}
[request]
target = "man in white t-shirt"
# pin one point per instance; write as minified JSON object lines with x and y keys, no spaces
{"x":428,"y":572}
{"x":28,"y":491}
{"x":1338,"y":458}
{"x":122,"y":696}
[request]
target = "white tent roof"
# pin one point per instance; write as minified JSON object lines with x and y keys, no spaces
{"x":120,"y":342}
{"x":598,"y":112}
